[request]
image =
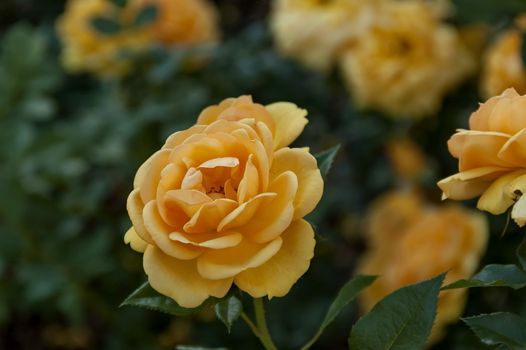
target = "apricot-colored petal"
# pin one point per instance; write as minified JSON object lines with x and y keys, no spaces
{"x":480,"y":119}
{"x":242,"y":214}
{"x":148,"y":187}
{"x":265,"y":135}
{"x":514,"y":151}
{"x":249,"y":185}
{"x":273,"y":217}
{"x":189,"y":201}
{"x":470,"y":183}
{"x":141,"y":173}
{"x":496,"y":199}
{"x":179,"y":137}
{"x":160,"y":233}
{"x":224,"y":263}
{"x":208,"y":217}
{"x":193,"y":180}
{"x":478,"y":149}
{"x":310,"y":181}
{"x":227,"y":162}
{"x":212,"y":240}
{"x":276,"y":277}
{"x":179,"y":279}
{"x":135,"y":207}
{"x":289,"y":121}
{"x":135,"y":241}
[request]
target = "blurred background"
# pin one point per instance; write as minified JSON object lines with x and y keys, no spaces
{"x":72,"y":139}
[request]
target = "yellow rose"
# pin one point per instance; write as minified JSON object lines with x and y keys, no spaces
{"x":492,"y":157}
{"x":407,"y":159}
{"x":503,"y":66}
{"x":223,"y":203}
{"x":332,"y":25}
{"x":407,"y":61}
{"x":433,"y":241}
{"x":86,"y":50}
{"x":183,"y":22}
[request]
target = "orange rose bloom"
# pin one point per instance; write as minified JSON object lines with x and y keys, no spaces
{"x":223,"y":203}
{"x":492,"y":157}
{"x":427,"y":242}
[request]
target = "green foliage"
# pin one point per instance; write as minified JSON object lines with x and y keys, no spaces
{"x":326,"y":158}
{"x":402,"y":320}
{"x":487,"y":10}
{"x":521,"y":254}
{"x":105,"y":26}
{"x":229,"y":310}
{"x":494,"y":276}
{"x":147,"y":297}
{"x":346,"y":295}
{"x":501,"y":328}
{"x":146,"y":16}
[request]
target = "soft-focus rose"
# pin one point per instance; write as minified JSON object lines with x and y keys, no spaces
{"x":407,"y":159}
{"x":434,"y":240}
{"x":492,"y":157}
{"x":503,"y":66}
{"x":183,"y":22}
{"x":85,"y":49}
{"x":222,"y":202}
{"x":316,"y":31}
{"x":407,"y":61}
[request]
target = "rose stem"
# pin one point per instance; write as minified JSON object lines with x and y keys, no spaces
{"x":259,"y":310}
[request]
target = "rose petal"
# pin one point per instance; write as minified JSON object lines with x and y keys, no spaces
{"x":310,"y":182}
{"x":224,"y":263}
{"x":289,"y":120}
{"x":470,"y":183}
{"x":160,"y":233}
{"x":135,"y":207}
{"x":148,"y":186}
{"x":208,"y":217}
{"x":514,"y":151}
{"x":496,"y":198}
{"x":179,"y":279}
{"x":135,"y":241}
{"x":212,"y":240}
{"x":249,"y":185}
{"x":273,"y":217}
{"x":277,"y":276}
{"x":242,"y":214}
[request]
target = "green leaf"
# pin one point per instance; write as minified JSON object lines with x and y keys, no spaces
{"x":499,"y":328}
{"x":402,"y":320}
{"x":147,"y":15}
{"x":106,"y":26}
{"x":487,"y":10}
{"x":120,"y":3}
{"x":326,"y":158}
{"x":147,"y":297}
{"x":521,"y":254}
{"x":493,"y":276}
{"x":228,"y":310}
{"x":346,"y":294}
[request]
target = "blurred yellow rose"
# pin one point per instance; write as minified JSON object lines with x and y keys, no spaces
{"x":223,"y":202}
{"x":183,"y":22}
{"x":432,"y":241}
{"x":407,"y":159}
{"x":407,"y":61}
{"x":492,"y":157}
{"x":316,"y":31}
{"x":88,"y":50}
{"x":503,"y":66}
